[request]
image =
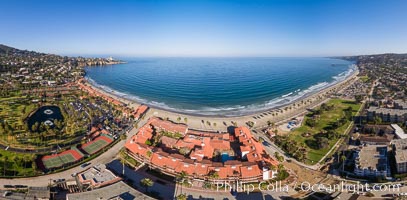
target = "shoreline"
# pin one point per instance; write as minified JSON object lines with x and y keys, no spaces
{"x":235,"y":110}
{"x":219,"y":122}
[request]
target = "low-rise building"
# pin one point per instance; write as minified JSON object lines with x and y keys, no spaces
{"x":97,"y":176}
{"x":371,"y":161}
{"x":400,"y":155}
{"x":400,"y":104}
{"x":119,"y":190}
{"x":399,"y":132}
{"x":387,"y":114}
{"x":38,"y":193}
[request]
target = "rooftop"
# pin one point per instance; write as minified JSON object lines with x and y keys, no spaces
{"x":399,"y":131}
{"x":373,"y":157}
{"x":387,"y":111}
{"x":98,"y":175}
{"x":400,"y":152}
{"x":118,"y":190}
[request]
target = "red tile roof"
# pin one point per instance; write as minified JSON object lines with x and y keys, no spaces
{"x":145,"y":133}
{"x":169,"y":126}
{"x":250,"y":170}
{"x":185,"y":166}
{"x":138,"y":149}
{"x":140,"y":111}
{"x":201,"y":169}
{"x":168,"y":142}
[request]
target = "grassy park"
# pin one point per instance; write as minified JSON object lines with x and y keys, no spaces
{"x":17,"y":164}
{"x":320,"y":130}
{"x":15,"y":131}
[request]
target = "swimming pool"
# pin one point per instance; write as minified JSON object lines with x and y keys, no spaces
{"x":225,"y":157}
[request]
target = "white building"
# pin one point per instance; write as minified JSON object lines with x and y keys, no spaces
{"x":371,"y":161}
{"x":399,"y":132}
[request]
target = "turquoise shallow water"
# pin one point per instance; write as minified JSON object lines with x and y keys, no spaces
{"x":219,"y":86}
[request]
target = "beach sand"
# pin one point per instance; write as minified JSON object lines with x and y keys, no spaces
{"x":260,"y":119}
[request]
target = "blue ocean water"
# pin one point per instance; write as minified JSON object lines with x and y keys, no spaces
{"x":219,"y":86}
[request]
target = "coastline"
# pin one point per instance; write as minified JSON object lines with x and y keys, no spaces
{"x":236,"y":110}
{"x":220,"y":122}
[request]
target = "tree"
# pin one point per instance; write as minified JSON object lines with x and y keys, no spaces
{"x":273,"y":167}
{"x":280,"y":167}
{"x":123,"y":137}
{"x":185,"y":120}
{"x":310,"y":122}
{"x":5,"y":160}
{"x":377,"y":120}
{"x":369,"y":194}
{"x":358,"y":98}
{"x":181,"y":197}
{"x":324,"y":106}
{"x":146,"y":183}
{"x":250,"y":124}
{"x":331,"y":134}
{"x":322,"y":142}
{"x":179,"y":119}
{"x":184,"y":150}
{"x":278,"y":157}
{"x":213,"y":174}
{"x":343,"y":159}
{"x":122,"y":160}
{"x":181,"y":178}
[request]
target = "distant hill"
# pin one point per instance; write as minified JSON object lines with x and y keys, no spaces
{"x":11,"y":50}
{"x":6,"y":49}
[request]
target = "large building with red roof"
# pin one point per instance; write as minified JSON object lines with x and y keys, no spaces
{"x":200,"y":154}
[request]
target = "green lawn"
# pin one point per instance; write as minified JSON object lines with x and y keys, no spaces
{"x":14,"y":131}
{"x":322,"y":124}
{"x":16,"y":164}
{"x":364,"y":78}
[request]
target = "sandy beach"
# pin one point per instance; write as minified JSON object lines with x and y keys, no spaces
{"x":260,"y":119}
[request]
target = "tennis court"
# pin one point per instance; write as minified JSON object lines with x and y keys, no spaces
{"x":61,"y":159}
{"x":97,"y":144}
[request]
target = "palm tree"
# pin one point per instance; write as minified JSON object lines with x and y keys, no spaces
{"x":26,"y":158}
{"x":278,"y":157}
{"x":5,"y":159}
{"x":343,"y":159}
{"x":273,"y":167}
{"x":123,"y":137}
{"x":280,"y":167}
{"x":213,"y":174}
{"x":122,"y":160}
{"x":146,"y":183}
{"x":181,"y":177}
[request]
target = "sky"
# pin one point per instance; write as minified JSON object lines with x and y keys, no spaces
{"x":205,"y":28}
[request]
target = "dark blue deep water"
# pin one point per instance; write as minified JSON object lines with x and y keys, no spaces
{"x":219,"y":86}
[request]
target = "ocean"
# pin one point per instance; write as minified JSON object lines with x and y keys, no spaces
{"x":219,"y":86}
